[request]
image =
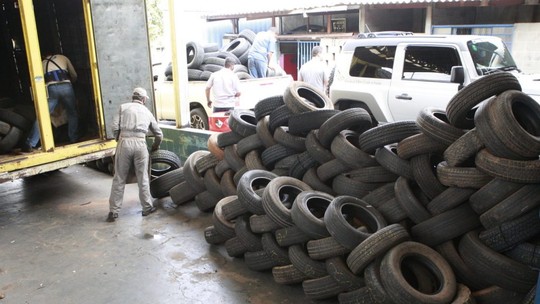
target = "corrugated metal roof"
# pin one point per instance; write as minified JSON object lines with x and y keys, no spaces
{"x":247,"y":7}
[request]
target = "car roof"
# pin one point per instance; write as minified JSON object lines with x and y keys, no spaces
{"x":461,"y":40}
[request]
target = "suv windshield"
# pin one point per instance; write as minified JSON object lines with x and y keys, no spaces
{"x":490,"y":55}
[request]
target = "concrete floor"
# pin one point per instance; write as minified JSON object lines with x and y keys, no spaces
{"x":57,"y":248}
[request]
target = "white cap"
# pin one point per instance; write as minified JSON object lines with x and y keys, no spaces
{"x":140,"y":92}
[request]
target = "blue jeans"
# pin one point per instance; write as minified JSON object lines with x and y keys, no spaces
{"x":63,"y":93}
{"x":257,"y":68}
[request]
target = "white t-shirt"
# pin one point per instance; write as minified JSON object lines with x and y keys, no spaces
{"x":315,"y":73}
{"x":225,"y":84}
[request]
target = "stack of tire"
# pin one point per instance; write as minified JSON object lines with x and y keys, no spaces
{"x":444,"y":209}
{"x":15,"y":123}
{"x":204,"y":59}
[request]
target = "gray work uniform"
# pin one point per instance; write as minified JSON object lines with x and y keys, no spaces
{"x":133,"y":122}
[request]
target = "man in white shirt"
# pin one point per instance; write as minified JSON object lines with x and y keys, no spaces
{"x":315,"y":71}
{"x":225,"y":86}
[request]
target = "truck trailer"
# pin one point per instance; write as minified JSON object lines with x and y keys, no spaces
{"x":107,"y":42}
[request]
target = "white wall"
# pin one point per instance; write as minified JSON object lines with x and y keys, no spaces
{"x":525,"y":47}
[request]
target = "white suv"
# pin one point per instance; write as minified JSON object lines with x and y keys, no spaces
{"x":394,"y":78}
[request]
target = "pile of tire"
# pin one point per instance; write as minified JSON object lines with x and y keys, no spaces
{"x":204,"y":59}
{"x":444,"y":209}
{"x":15,"y":123}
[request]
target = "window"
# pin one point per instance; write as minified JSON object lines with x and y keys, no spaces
{"x":373,"y":62}
{"x":429,"y":63}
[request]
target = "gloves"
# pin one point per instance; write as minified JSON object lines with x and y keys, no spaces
{"x":154,"y":147}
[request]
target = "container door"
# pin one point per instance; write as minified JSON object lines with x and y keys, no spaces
{"x":123,"y":53}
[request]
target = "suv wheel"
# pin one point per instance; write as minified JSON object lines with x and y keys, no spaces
{"x":198,"y":119}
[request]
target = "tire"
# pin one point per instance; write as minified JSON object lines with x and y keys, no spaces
{"x":376,"y":245}
{"x":213,"y":237}
{"x":386,"y":134}
{"x":446,"y":226}
{"x":195,"y":54}
{"x":459,"y":106}
{"x":346,"y":210}
{"x":519,"y":171}
{"x":308,"y":213}
{"x":163,"y":161}
{"x":302,"y":97}
{"x":496,"y":269}
{"x":356,"y":119}
{"x":198,"y":119}
{"x":509,"y":125}
{"x":160,"y":186}
{"x":279,"y":196}
{"x":401,"y":291}
{"x":243,"y":122}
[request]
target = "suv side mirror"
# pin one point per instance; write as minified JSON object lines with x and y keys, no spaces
{"x":457,"y":75}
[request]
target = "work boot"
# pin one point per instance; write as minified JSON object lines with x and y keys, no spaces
{"x":147,"y":212}
{"x":26,"y":148}
{"x":112,"y":217}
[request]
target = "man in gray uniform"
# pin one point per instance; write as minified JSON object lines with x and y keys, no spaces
{"x":130,"y":128}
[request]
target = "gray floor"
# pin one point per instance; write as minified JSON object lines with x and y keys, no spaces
{"x":57,"y":248}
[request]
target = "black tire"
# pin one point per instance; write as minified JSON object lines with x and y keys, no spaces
{"x":511,"y":233}
{"x":290,"y":236}
{"x":340,"y":272}
{"x":509,"y":126}
{"x":517,"y":204}
{"x":444,"y":286}
{"x":163,"y":161}
{"x":345,"y":147}
{"x":491,"y":194}
{"x":376,"y":245}
{"x":496,"y":269}
{"x":316,"y":150}
{"x":386,"y":134}
{"x":446,"y":226}
{"x":409,"y":202}
{"x":346,"y":214}
{"x":418,"y":144}
{"x":288,"y":274}
{"x":300,"y":259}
{"x":356,"y":119}
{"x":195,"y":54}
{"x":213,"y":237}
{"x":308,"y":213}
{"x":160,"y":186}
{"x":325,"y":248}
{"x":266,"y":105}
{"x":262,"y":223}
{"x":459,"y":106}
{"x":463,"y":149}
{"x":302,"y":97}
{"x":248,"y":189}
{"x":193,"y":178}
{"x":321,"y":288}
{"x":243,"y":122}
{"x":279,"y":196}
{"x":434,"y":123}
{"x":277,"y":253}
{"x":519,"y":171}
{"x":462,"y":177}
{"x":206,"y":201}
{"x":301,"y":124}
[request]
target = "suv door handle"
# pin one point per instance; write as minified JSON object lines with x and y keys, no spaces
{"x":404,"y":96}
